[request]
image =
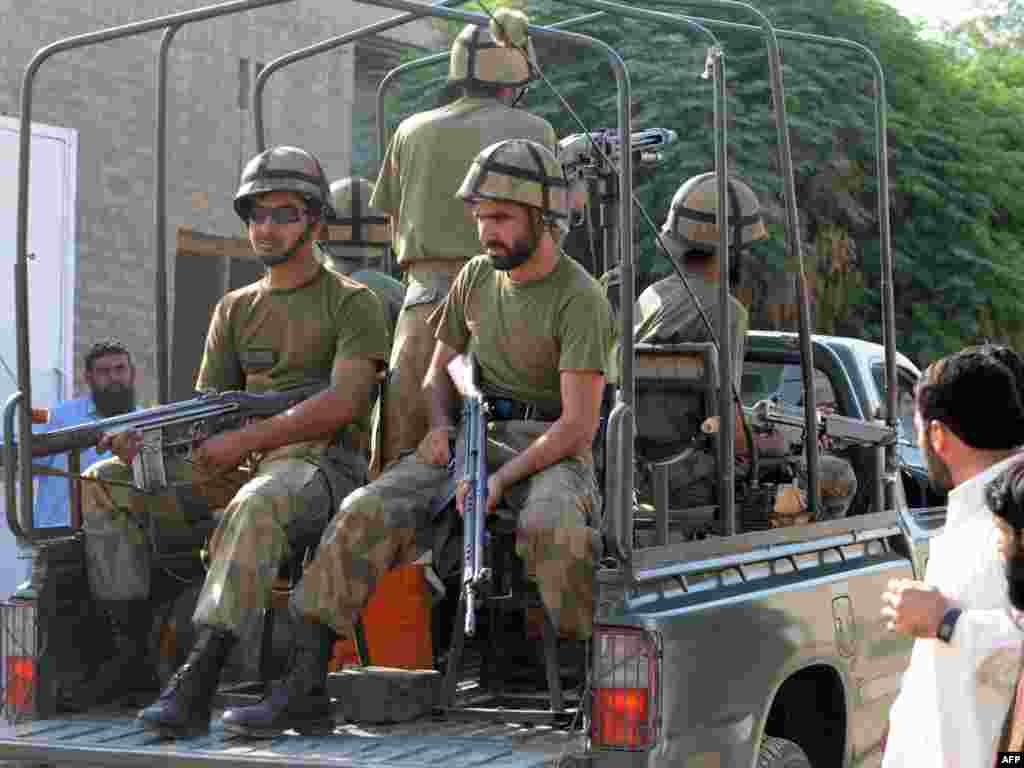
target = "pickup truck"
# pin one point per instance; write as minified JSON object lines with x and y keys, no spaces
{"x":718,"y":650}
{"x":720,"y":640}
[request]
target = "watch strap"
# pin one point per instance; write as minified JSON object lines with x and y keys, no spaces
{"x":947,"y":625}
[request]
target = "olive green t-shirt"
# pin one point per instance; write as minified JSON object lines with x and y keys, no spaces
{"x":425,"y":164}
{"x":264,"y":339}
{"x":525,"y":334}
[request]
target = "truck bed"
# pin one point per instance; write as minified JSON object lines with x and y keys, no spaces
{"x":113,"y":738}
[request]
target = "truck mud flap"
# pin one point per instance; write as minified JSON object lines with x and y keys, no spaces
{"x":426,"y":743}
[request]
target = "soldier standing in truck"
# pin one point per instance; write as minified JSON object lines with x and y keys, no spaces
{"x":433,"y":235}
{"x":299,"y":321}
{"x":541,"y":329}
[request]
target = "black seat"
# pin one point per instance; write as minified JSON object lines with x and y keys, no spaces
{"x":676,"y":391}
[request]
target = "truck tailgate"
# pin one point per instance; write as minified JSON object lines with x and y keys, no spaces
{"x":433,"y":743}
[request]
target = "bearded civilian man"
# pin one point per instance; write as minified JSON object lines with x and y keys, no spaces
{"x":110,"y":376}
{"x":956,"y":692}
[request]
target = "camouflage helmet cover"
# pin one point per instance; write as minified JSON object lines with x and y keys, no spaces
{"x":284,"y":169}
{"x":353,"y":219}
{"x":520,"y":171}
{"x":494,"y":55}
{"x":692,"y":217}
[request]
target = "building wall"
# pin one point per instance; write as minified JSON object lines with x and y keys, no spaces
{"x":107,"y":94}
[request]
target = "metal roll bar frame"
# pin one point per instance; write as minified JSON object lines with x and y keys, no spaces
{"x":621,"y":490}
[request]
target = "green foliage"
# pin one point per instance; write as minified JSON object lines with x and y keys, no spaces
{"x":956,"y":154}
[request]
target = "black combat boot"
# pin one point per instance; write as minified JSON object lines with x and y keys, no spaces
{"x":129,"y":668}
{"x":184,"y":706}
{"x":299,"y":701}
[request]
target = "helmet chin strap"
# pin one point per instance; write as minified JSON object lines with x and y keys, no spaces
{"x":296,"y":246}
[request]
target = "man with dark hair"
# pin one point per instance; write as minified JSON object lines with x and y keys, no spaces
{"x":110,"y":376}
{"x":433,"y":235}
{"x":957,"y":689}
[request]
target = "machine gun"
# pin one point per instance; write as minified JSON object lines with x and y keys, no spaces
{"x":766,"y":414}
{"x":463,"y":371}
{"x":172,"y":430}
{"x":579,"y":157}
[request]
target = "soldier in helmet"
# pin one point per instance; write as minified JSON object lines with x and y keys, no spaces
{"x":358,"y":243}
{"x":540,"y":328}
{"x":667,"y":314}
{"x":433,"y":234}
{"x":299,"y":321}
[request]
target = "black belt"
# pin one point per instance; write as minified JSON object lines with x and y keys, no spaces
{"x":507,"y":409}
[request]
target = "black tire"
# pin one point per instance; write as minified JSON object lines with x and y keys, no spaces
{"x":781,"y":753}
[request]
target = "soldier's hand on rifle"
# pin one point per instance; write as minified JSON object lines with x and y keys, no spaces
{"x":223,"y":452}
{"x":125,"y":445}
{"x":434,"y":447}
{"x":495,"y":490}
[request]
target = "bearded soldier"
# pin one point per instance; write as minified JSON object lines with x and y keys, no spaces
{"x":540,"y":327}
{"x":300,"y":321}
{"x":433,"y":235}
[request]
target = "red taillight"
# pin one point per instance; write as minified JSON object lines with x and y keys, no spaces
{"x":625,"y":703}
{"x":18,"y":644}
{"x":21,"y":684}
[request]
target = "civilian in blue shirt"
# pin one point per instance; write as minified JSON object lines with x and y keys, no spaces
{"x":110,"y":375}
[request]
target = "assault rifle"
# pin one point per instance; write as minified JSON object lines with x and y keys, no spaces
{"x":172,"y":430}
{"x":463,"y":372}
{"x":765,"y":414}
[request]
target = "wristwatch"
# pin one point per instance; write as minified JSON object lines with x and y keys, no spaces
{"x":947,"y":625}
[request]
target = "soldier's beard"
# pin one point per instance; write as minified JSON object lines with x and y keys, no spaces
{"x":505,"y":258}
{"x":939,"y":474}
{"x":1015,"y":581}
{"x":114,"y":400}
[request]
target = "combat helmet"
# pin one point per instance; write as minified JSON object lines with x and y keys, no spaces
{"x":493,"y":56}
{"x":354,"y":221}
{"x":284,"y":169}
{"x":692,"y":218}
{"x":520,"y":171}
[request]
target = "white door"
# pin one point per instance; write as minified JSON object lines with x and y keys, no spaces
{"x":51,"y":238}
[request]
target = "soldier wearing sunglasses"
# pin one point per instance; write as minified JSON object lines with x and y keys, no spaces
{"x":301,"y":321}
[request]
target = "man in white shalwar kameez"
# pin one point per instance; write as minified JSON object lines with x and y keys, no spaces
{"x":957,"y":690}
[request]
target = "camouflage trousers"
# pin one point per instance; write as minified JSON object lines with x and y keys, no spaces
{"x":268,"y":515}
{"x":388,"y":523}
{"x":403,"y":414}
{"x":837,"y":481}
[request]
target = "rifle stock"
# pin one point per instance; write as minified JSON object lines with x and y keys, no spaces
{"x":463,"y":372}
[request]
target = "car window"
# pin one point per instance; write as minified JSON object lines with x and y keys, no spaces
{"x":905,"y":381}
{"x":782,"y":382}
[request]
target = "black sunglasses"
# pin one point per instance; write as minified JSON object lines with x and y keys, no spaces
{"x":288,"y":214}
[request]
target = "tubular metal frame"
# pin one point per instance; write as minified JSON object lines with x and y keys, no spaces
{"x":622,"y":486}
